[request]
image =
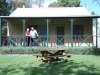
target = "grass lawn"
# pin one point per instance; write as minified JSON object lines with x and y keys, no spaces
{"x":29,"y":65}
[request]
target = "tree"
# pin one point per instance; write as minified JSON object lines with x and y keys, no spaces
{"x":4,"y":7}
{"x":97,"y":1}
{"x":4,"y":30}
{"x":39,"y":3}
{"x":29,"y":3}
{"x":93,"y":13}
{"x":65,"y":3}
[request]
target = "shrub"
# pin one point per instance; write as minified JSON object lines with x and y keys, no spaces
{"x":32,"y":50}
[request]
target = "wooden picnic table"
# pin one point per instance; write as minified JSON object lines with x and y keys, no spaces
{"x":46,"y":55}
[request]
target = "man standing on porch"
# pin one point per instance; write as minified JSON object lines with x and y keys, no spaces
{"x":33,"y":35}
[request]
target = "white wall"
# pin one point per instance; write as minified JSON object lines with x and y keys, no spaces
{"x":99,"y":33}
{"x":94,"y":34}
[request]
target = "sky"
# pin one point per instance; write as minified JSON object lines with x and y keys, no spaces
{"x":91,"y":6}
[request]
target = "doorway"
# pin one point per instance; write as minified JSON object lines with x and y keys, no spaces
{"x":60,"y":35}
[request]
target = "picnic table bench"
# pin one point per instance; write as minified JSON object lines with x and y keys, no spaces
{"x":49,"y":57}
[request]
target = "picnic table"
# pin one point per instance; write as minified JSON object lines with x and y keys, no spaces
{"x":49,"y":57}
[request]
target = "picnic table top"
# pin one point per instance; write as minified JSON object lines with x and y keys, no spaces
{"x":51,"y":55}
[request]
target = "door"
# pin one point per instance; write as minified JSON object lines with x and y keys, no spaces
{"x":60,"y":35}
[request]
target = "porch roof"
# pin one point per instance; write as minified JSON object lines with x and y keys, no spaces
{"x":61,"y":12}
{"x":51,"y":12}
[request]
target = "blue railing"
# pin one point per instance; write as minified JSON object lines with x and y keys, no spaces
{"x":54,"y":40}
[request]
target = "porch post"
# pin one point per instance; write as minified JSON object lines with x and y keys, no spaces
{"x":0,"y":32}
{"x":96,"y":33}
{"x":71,"y":20}
{"x":47,"y":21}
{"x":47,"y":31}
{"x":24,"y":31}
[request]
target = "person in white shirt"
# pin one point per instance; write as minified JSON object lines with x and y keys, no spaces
{"x":33,"y":35}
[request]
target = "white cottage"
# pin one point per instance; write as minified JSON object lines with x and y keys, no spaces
{"x":68,"y":26}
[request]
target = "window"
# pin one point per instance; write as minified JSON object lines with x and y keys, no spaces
{"x":43,"y":32}
{"x":42,"y":29}
{"x":78,"y":31}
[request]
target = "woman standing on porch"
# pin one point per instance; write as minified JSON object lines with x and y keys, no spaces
{"x":33,"y":35}
{"x":27,"y":33}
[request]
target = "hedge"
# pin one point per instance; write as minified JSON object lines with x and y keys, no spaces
{"x":34,"y":50}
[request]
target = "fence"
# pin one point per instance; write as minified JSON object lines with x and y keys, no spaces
{"x":54,"y":40}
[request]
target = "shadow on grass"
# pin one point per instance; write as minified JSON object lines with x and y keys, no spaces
{"x":61,"y":68}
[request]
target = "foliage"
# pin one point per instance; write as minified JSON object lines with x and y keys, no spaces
{"x":83,"y":51}
{"x":4,"y":30}
{"x":33,"y":50}
{"x":4,"y":8}
{"x":65,"y":3}
{"x":97,"y":1}
{"x":39,"y":3}
{"x":29,"y":3}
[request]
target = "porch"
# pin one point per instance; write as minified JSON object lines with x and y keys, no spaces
{"x":60,"y":39}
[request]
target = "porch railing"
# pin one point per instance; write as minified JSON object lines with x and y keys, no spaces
{"x":54,"y":40}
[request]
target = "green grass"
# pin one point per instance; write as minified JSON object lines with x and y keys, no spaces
{"x":29,"y":65}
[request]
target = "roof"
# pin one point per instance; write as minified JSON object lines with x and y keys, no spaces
{"x":51,"y":12}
